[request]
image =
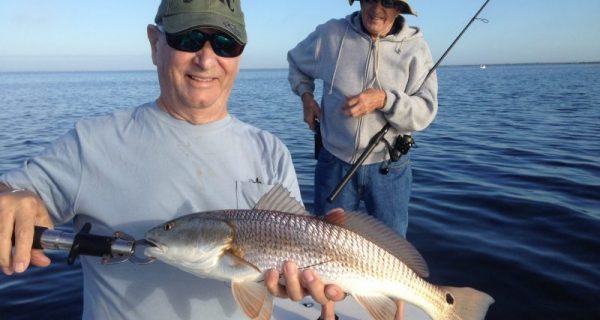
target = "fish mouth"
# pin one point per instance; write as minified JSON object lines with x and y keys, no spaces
{"x":147,"y":243}
{"x":153,"y":248}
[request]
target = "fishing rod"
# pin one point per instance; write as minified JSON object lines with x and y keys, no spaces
{"x":409,"y":142}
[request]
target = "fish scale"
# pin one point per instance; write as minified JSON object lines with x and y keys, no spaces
{"x":353,"y":250}
{"x":335,"y":253}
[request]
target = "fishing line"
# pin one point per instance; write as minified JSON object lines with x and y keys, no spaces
{"x":475,"y":17}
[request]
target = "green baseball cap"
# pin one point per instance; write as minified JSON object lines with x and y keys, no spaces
{"x":223,"y":15}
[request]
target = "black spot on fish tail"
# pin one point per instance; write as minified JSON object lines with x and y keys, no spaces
{"x":449,"y":299}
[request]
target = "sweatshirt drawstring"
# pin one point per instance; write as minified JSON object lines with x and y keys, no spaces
{"x":337,"y":60}
{"x":375,"y":83}
{"x":399,"y":46}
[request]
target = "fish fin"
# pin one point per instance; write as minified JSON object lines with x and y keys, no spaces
{"x":280,"y":199}
{"x":335,"y":216}
{"x":253,"y":298}
{"x":267,"y":309}
{"x":379,"y":307}
{"x":468,"y":303}
{"x":380,"y":234}
{"x":239,"y":268}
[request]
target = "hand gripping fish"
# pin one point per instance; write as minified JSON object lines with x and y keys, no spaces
{"x":352,"y":250}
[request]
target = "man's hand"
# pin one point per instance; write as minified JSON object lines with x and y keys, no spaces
{"x":20,"y":212}
{"x":364,"y":103}
{"x":300,"y":284}
{"x":312,"y":111}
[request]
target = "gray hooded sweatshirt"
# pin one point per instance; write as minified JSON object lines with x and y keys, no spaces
{"x":349,"y":61}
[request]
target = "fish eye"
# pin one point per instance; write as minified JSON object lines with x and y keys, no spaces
{"x":169,"y":226}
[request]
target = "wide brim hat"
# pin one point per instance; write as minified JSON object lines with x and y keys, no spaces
{"x":407,"y":8}
{"x":180,"y":15}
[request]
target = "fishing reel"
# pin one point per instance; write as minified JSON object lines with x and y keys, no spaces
{"x":401,"y":147}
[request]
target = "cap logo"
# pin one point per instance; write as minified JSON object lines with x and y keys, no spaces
{"x":232,"y":28}
{"x":228,"y":4}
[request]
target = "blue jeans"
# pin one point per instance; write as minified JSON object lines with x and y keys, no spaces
{"x":385,"y":196}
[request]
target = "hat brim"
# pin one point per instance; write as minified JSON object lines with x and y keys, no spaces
{"x":407,"y":9}
{"x":182,"y":22}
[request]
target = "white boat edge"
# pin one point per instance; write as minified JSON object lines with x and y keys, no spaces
{"x":348,"y":309}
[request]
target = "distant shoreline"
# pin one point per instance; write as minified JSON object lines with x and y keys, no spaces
{"x":517,"y":64}
{"x":283,"y":68}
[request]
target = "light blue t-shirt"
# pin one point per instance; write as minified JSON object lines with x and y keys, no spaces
{"x":135,"y":169}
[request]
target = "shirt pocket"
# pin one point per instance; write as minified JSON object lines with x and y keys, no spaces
{"x":249,"y":192}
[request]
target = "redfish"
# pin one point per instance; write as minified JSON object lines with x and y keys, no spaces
{"x":352,"y":250}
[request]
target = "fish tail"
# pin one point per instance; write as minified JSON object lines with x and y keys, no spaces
{"x":468,"y":303}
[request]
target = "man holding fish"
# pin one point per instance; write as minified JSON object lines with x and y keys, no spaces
{"x":137,"y":168}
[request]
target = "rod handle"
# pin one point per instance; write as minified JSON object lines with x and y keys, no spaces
{"x":37,"y":237}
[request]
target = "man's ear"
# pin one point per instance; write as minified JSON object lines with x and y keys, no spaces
{"x":153,"y":37}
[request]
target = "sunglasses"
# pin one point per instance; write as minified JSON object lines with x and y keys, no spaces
{"x":193,"y":41}
{"x":387,"y":3}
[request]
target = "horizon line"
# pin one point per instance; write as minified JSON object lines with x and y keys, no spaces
{"x":283,"y":68}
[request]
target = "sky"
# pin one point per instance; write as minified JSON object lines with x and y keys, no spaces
{"x":102,"y":35}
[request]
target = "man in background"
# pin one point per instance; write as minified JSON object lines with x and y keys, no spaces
{"x":373,"y":66}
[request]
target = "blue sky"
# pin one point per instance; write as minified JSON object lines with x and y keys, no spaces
{"x":67,"y":35}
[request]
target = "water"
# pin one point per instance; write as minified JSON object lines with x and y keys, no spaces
{"x":506,"y":194}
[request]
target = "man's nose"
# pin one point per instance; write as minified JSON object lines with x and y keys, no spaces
{"x":206,"y":56}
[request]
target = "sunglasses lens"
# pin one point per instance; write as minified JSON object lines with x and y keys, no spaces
{"x":194,"y":40}
{"x":386,"y":3}
{"x":225,"y":46}
{"x":190,"y":41}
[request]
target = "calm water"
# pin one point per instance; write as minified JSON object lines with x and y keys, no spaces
{"x":506,"y":196}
